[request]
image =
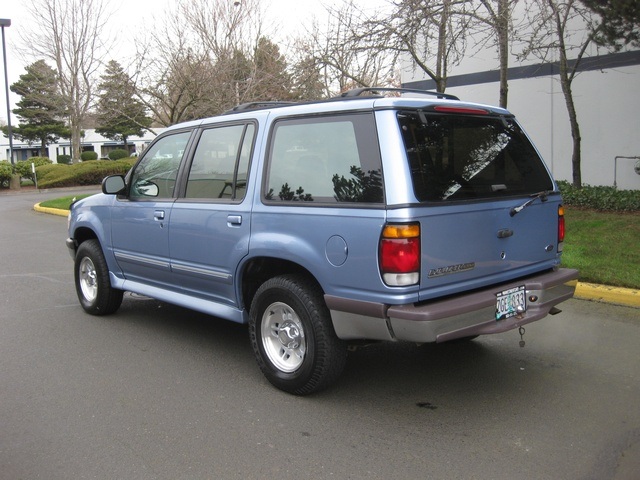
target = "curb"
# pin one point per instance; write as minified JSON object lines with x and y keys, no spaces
{"x":627,"y":297}
{"x":52,"y":211}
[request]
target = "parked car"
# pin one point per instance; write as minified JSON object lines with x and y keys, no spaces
{"x":416,"y":217}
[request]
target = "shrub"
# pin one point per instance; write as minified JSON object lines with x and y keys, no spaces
{"x":23,"y":167}
{"x":600,"y":198}
{"x":85,"y":156}
{"x":117,"y":154}
{"x":86,"y":173}
{"x":6,"y":171}
{"x":64,"y":159}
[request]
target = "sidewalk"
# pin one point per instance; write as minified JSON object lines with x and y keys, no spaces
{"x":586,"y":291}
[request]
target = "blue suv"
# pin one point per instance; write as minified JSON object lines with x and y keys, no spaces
{"x":413,"y":217}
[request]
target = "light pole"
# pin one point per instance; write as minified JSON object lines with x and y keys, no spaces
{"x":5,"y":22}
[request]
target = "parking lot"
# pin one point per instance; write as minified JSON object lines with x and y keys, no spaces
{"x":159,"y":392}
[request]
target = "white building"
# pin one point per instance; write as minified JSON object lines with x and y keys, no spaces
{"x":607,"y":97}
{"x":91,"y":141}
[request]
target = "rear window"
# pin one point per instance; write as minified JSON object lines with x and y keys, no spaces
{"x":464,"y":157}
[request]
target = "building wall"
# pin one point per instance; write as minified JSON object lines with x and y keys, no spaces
{"x":91,"y":141}
{"x":607,"y":103}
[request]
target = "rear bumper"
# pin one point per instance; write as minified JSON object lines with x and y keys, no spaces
{"x":458,"y":316}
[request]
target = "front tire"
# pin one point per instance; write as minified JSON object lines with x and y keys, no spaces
{"x":93,"y":286}
{"x":292,"y":336}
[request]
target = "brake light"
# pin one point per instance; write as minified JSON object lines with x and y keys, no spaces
{"x":400,"y":254}
{"x":561,"y":227}
{"x":461,"y":110}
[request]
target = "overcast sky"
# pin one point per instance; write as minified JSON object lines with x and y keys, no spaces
{"x":285,"y":16}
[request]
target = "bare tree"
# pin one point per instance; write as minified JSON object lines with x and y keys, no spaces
{"x":209,"y":56}
{"x":497,"y":16}
{"x":432,"y":34}
{"x":342,"y":52}
{"x":566,"y":29}
{"x":69,"y":35}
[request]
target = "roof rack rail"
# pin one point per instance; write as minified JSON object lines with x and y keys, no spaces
{"x":257,"y":106}
{"x":356,"y":92}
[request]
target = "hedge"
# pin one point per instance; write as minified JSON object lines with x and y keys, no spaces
{"x":85,"y":173}
{"x":23,"y":167}
{"x":6,"y":172}
{"x":600,"y":198}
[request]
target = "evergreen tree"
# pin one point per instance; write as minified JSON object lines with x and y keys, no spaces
{"x":120,"y":114}
{"x":41,"y":108}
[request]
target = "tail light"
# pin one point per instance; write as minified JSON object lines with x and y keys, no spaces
{"x":400,"y":254}
{"x":561,"y":227}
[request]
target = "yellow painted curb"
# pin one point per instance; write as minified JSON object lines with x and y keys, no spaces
{"x":602,"y":293}
{"x":52,"y":211}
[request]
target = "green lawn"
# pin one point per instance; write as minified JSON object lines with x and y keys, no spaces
{"x":605,"y":247}
{"x":64,"y":202}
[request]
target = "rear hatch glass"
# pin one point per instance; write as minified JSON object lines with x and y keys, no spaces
{"x":469,"y":171}
{"x":470,"y":157}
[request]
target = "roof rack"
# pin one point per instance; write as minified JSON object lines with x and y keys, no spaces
{"x":257,"y":106}
{"x":356,"y":92}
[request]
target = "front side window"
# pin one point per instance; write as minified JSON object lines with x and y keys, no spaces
{"x":463,"y":157}
{"x":155,"y":175}
{"x":324,"y":160}
{"x":221,"y":162}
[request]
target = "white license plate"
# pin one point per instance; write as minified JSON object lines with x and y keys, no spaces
{"x":510,"y":303}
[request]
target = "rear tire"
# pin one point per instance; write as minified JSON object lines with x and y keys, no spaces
{"x":292,"y":336}
{"x":93,"y":286}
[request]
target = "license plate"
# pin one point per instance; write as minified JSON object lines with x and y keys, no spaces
{"x":510,"y":303}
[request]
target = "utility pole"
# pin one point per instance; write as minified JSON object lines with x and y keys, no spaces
{"x":5,"y":22}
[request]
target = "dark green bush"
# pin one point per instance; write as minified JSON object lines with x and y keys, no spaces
{"x":600,"y":198}
{"x":23,"y":167}
{"x":86,"y":173}
{"x":117,"y":154}
{"x":6,"y":171}
{"x":64,"y":159}
{"x":86,"y":156}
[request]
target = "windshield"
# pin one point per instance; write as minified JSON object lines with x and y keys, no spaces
{"x":462,"y":157}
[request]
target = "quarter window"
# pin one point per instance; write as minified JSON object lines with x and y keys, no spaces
{"x":325,"y":160}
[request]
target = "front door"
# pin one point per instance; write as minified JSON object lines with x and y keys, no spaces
{"x":140,"y":221}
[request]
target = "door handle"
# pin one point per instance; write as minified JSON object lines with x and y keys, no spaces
{"x":234,"y":220}
{"x":158,"y":214}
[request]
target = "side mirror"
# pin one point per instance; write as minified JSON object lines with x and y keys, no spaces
{"x":113,"y":185}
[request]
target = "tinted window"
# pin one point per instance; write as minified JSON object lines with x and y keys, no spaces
{"x":220,"y":163}
{"x":457,"y":157}
{"x":155,"y":175}
{"x":326,"y":159}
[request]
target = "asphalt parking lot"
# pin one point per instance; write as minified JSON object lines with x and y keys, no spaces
{"x":158,"y":392}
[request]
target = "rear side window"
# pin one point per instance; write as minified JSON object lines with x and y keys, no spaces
{"x":464,"y":157}
{"x":220,"y":163}
{"x":324,"y":160}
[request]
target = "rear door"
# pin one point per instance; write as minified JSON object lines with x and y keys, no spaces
{"x":471,"y":172}
{"x":211,"y":222}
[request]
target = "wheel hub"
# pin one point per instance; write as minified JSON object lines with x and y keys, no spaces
{"x":283,"y":337}
{"x":289,"y":334}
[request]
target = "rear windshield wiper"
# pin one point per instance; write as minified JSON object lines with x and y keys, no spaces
{"x":541,"y":195}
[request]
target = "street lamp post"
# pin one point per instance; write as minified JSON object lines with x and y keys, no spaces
{"x":5,"y":22}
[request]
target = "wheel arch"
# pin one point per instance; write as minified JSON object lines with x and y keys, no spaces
{"x":258,"y":270}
